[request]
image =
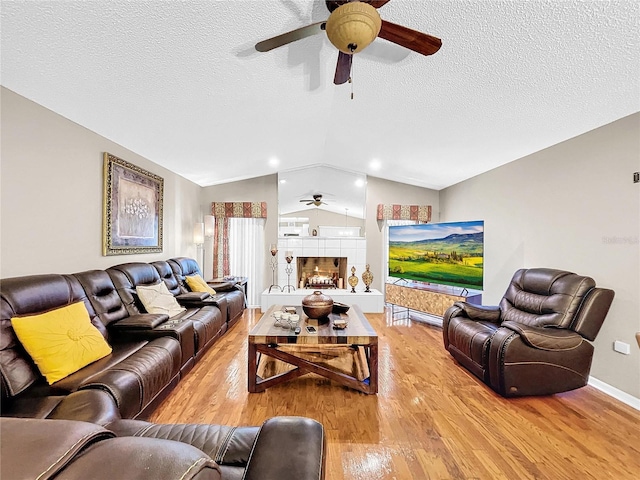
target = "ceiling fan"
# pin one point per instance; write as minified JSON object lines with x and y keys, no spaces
{"x":351,"y":27}
{"x":317,"y":200}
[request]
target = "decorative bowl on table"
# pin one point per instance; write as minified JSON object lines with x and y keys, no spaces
{"x":340,"y":307}
{"x":317,"y":305}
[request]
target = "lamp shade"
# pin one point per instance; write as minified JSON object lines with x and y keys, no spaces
{"x":209,"y":225}
{"x":198,"y":233}
{"x":353,"y":26}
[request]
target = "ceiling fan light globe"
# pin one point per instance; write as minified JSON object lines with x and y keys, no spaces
{"x":353,"y":26}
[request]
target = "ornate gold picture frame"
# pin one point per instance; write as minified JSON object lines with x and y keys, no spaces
{"x":132,"y":210}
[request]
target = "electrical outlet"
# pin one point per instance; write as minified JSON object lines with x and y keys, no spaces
{"x":621,"y":347}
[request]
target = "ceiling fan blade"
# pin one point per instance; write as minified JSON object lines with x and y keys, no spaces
{"x":343,"y":68}
{"x":378,"y":3}
{"x":291,"y":36}
{"x":411,"y":39}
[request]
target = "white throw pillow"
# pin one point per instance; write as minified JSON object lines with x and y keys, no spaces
{"x":158,"y":299}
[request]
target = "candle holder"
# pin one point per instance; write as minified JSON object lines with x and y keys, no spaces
{"x":274,"y":267}
{"x":288,"y":270}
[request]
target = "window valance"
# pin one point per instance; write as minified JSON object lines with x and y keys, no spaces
{"x":239,"y":209}
{"x":420,"y":213}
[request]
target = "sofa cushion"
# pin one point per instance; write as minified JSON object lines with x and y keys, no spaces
{"x":61,"y":341}
{"x":197,"y":284}
{"x":158,"y":299}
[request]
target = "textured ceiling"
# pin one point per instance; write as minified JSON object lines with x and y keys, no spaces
{"x":181,"y":84}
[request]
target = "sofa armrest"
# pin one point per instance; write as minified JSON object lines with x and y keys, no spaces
{"x":488,"y":313}
{"x":39,"y":448}
{"x":142,"y":321}
{"x":91,"y":405}
{"x":222,"y":286}
{"x":288,"y":448}
{"x":551,"y":339}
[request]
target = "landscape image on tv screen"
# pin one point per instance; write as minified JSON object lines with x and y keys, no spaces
{"x":443,"y":253}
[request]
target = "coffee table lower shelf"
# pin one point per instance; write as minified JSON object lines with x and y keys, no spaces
{"x":302,"y":366}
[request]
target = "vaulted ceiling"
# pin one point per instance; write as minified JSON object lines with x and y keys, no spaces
{"x":182,"y":84}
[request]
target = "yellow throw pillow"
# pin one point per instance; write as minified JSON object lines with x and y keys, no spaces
{"x":197,"y":284}
{"x":61,"y":341}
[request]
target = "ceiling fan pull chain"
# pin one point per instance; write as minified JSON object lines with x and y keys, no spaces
{"x":351,"y":81}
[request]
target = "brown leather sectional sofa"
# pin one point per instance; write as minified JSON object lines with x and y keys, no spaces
{"x":150,"y":353}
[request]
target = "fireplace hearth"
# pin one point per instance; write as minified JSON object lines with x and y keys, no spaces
{"x":321,"y":272}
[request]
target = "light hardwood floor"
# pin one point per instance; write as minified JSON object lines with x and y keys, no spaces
{"x":430,"y":420}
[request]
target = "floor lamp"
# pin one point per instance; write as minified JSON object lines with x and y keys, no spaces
{"x":198,"y":239}
{"x":209,"y":232}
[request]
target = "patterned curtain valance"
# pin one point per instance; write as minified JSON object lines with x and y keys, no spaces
{"x":239,"y":209}
{"x":421,"y":213}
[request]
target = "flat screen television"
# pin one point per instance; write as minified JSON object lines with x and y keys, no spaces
{"x":442,"y":253}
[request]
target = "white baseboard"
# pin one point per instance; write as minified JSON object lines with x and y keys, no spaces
{"x":615,"y":393}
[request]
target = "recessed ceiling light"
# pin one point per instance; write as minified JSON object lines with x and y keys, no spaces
{"x":283,"y":180}
{"x":375,"y":164}
{"x":274,"y":162}
{"x":359,"y":182}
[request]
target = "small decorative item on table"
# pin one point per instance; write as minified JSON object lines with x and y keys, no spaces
{"x":340,"y":308}
{"x":367,"y":278}
{"x":353,"y":280}
{"x":340,"y":324}
{"x":279,"y":321}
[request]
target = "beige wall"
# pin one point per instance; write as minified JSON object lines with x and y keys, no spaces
{"x":259,"y":189}
{"x":573,"y":206}
{"x":387,"y":192}
{"x":51,"y":195}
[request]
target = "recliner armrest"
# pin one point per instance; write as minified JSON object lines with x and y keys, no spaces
{"x":489,"y":313}
{"x":551,"y":339}
{"x":142,"y":321}
{"x":288,"y":448}
{"x":222,"y":286}
{"x":191,"y":297}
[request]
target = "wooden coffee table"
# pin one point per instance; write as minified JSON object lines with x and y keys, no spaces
{"x":282,"y":344}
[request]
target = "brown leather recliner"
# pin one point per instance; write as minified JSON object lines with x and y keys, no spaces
{"x":535,"y":341}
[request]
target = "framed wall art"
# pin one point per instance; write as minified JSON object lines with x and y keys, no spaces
{"x":132,"y":211}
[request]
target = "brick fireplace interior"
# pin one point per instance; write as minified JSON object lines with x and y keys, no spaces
{"x":321,"y":272}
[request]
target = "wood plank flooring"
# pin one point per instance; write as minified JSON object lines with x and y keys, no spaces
{"x":430,"y":420}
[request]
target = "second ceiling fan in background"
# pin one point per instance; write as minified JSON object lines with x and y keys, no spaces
{"x":351,"y":27}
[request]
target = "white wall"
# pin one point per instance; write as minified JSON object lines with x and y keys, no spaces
{"x":573,"y":206}
{"x":52,"y":195}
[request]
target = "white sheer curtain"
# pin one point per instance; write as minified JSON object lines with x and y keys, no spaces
{"x":246,"y":254}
